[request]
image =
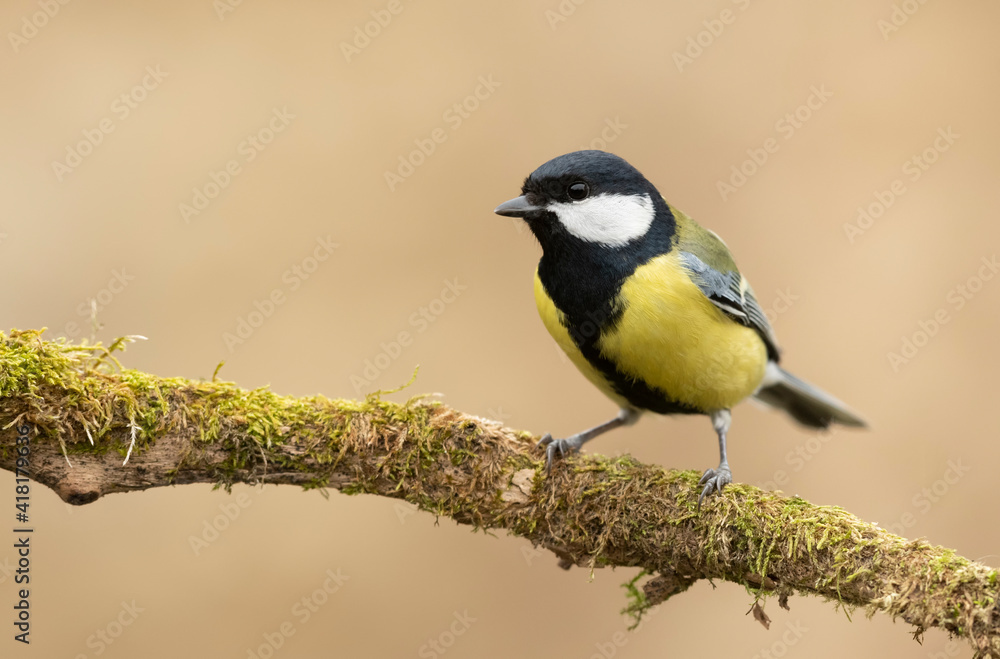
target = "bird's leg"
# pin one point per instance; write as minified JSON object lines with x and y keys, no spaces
{"x":626,"y":417}
{"x":716,"y":479}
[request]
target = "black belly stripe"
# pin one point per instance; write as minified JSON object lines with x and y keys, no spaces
{"x":583,"y":281}
{"x":636,"y":392}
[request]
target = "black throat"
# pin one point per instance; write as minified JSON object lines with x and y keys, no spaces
{"x":584,"y":278}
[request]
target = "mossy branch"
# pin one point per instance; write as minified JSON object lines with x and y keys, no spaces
{"x":85,"y":413}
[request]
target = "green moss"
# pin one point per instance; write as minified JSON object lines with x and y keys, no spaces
{"x":592,"y":510}
{"x":637,"y":603}
{"x":79,"y":394}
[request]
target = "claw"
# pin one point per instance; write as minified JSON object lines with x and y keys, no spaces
{"x":714,"y":480}
{"x":626,"y":416}
{"x":563,"y":446}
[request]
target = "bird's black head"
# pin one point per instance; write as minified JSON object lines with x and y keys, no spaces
{"x":589,"y":196}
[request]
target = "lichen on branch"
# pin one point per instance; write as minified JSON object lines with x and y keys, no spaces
{"x":87,"y":412}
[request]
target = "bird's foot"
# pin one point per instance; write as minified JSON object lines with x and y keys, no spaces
{"x":714,"y":480}
{"x":562,"y":446}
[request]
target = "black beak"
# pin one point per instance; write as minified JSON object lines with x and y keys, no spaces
{"x":516,"y":207}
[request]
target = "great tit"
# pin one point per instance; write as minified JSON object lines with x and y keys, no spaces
{"x":650,"y":306}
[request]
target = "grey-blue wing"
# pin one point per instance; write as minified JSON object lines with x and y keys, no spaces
{"x":730,"y":291}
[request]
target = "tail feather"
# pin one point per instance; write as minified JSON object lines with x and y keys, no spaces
{"x":804,"y":402}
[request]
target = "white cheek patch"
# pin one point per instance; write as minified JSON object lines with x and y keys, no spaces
{"x":610,"y":219}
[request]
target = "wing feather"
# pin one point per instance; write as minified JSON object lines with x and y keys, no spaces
{"x":713,"y":270}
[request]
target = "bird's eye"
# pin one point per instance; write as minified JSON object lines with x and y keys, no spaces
{"x":578,"y":191}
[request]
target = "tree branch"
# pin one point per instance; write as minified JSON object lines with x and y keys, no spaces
{"x":83,"y":410}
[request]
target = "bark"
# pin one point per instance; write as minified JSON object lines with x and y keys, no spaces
{"x":85,"y":417}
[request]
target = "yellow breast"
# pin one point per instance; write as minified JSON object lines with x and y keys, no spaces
{"x":671,"y":337}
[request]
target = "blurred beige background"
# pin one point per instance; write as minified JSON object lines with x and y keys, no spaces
{"x":116,"y":114}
